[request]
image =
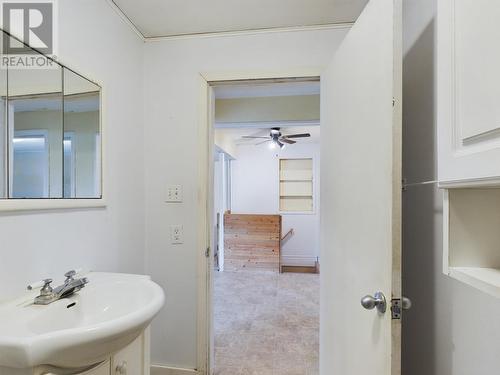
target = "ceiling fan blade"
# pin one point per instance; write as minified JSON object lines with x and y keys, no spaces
{"x":268,"y":140}
{"x":252,"y":137}
{"x":289,"y":141}
{"x":304,"y":135}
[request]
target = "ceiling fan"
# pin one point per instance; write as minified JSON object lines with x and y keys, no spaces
{"x":277,"y":138}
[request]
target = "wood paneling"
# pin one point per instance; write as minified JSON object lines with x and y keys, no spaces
{"x":252,"y":241}
{"x":299,"y":269}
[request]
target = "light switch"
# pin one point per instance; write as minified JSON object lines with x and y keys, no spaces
{"x":176,"y":234}
{"x":174,"y":193}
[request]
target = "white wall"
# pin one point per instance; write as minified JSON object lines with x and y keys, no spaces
{"x":270,"y":108}
{"x":452,"y":329}
{"x":255,"y":190}
{"x":172,"y":91}
{"x":225,"y":143}
{"x":95,"y":41}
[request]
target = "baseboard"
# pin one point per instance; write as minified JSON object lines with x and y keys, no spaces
{"x":162,"y":370}
{"x":299,"y":269}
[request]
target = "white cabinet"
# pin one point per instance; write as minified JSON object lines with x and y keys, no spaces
{"x":130,"y":360}
{"x":103,"y":369}
{"x":468,"y":102}
{"x":468,"y":123}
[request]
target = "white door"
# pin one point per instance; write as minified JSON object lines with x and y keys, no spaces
{"x":361,"y":195}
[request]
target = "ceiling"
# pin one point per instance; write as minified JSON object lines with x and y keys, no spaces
{"x":156,"y":18}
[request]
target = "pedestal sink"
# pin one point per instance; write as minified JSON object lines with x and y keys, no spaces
{"x":105,"y":316}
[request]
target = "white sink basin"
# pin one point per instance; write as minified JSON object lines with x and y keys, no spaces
{"x":105,"y":316}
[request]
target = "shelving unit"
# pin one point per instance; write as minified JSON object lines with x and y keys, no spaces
{"x":296,"y":185}
{"x":472,"y":237}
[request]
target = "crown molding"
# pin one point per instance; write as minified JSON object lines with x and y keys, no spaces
{"x":271,"y":30}
{"x":126,"y":20}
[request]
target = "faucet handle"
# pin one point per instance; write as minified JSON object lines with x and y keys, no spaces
{"x":69,"y":275}
{"x":40,"y":284}
{"x":46,"y":289}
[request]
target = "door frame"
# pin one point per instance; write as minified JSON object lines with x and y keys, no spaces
{"x":205,"y":194}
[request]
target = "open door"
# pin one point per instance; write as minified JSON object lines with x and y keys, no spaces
{"x":361,"y":197}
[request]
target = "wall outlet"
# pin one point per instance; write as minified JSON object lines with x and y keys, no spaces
{"x":176,"y":234}
{"x":174,"y":193}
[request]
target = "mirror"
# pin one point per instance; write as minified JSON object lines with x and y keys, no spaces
{"x":50,"y":134}
{"x":82,"y":137}
{"x":34,"y":105}
{"x":3,"y":135}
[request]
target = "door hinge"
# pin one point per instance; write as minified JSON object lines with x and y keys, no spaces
{"x":393,"y":102}
{"x":396,"y":308}
{"x":207,"y":252}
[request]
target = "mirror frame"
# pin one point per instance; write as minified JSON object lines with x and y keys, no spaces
{"x":27,"y":204}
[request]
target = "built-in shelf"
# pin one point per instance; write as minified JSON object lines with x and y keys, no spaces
{"x":296,"y":185}
{"x":484,"y":279}
{"x":472,"y":237}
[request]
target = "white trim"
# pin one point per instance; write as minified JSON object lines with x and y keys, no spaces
{"x":162,"y":370}
{"x":71,"y":136}
{"x":98,"y":164}
{"x":484,"y":279}
{"x":8,"y":205}
{"x":446,"y":232}
{"x":493,"y":181}
{"x":225,"y":76}
{"x":204,"y":237}
{"x":205,"y":198}
{"x":11,"y":205}
{"x":126,"y":19}
{"x":218,"y":34}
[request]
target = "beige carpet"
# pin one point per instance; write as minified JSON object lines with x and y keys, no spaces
{"x":266,"y":323}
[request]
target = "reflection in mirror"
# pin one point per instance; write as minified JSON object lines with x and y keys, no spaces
{"x":3,"y":134}
{"x":82,"y":137}
{"x":35,"y":124}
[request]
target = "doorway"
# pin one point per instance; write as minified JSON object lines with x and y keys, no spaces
{"x":265,"y":232}
{"x":361,"y":198}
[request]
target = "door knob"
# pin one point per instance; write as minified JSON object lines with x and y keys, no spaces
{"x":377,"y":301}
{"x":406,"y":303}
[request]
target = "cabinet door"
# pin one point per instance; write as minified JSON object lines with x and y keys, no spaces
{"x":101,"y":370}
{"x":130,"y":360}
{"x":468,"y":89}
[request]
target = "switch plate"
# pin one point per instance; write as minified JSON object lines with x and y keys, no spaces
{"x":174,"y":193}
{"x":176,"y":234}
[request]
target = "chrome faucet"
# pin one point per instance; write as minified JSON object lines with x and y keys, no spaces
{"x":69,"y":287}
